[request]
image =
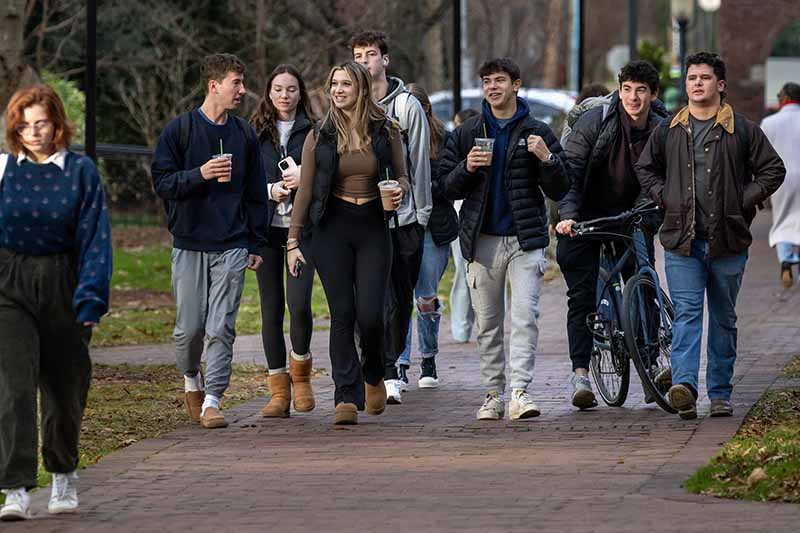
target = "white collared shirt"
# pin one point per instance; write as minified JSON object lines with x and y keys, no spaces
{"x":59,"y":159}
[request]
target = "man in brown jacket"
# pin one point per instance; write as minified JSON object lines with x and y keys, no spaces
{"x":709,"y":168}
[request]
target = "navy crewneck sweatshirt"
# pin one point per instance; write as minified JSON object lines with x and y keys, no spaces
{"x":47,"y":210}
{"x":206,"y":215}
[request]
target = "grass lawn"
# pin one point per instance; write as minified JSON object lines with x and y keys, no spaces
{"x":142,"y":307}
{"x":143,"y":310}
{"x":762,"y":462}
{"x":129,"y":403}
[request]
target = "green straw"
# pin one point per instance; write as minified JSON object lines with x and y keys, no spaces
{"x":484,"y":132}
{"x":220,"y":147}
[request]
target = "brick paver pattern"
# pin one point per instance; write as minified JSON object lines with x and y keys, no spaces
{"x":428,"y":465}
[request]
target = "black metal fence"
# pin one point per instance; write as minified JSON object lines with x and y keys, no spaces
{"x":125,"y":170}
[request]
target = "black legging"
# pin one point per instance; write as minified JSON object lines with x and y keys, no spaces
{"x":274,"y":300}
{"x":352,"y":251}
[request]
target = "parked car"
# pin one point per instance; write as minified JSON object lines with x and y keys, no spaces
{"x":548,"y":105}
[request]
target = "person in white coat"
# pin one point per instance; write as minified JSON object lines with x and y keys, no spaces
{"x":783,"y":131}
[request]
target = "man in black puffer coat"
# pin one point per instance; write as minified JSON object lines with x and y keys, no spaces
{"x":503,"y":227}
{"x":601,"y":150}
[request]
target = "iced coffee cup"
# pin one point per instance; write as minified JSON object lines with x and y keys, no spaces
{"x":226,"y":178}
{"x":388,"y":188}
{"x":485,"y":144}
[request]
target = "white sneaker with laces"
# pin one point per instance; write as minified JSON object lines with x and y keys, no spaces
{"x":17,"y":506}
{"x":522,"y":405}
{"x":64,"y":494}
{"x":394,"y":395}
{"x":493,"y":407}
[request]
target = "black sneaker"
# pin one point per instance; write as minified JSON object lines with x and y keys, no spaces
{"x":428,"y":378}
{"x":786,"y":275}
{"x":402,"y":373}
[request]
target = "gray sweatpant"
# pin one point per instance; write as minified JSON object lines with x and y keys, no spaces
{"x":208,"y":289}
{"x":496,"y":257}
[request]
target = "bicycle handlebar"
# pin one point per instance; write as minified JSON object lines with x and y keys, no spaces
{"x":590,"y":226}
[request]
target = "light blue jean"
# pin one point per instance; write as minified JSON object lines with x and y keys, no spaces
{"x":690,"y":278}
{"x":434,"y":263}
{"x":786,"y":252}
{"x":462,"y":315}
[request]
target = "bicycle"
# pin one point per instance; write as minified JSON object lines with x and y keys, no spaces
{"x":633,"y":320}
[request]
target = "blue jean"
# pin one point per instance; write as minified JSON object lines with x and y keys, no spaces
{"x":689,"y":279}
{"x":786,"y":253}
{"x":462,"y":315}
{"x":434,"y":263}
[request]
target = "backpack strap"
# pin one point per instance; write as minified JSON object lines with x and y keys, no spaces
{"x":184,"y":129}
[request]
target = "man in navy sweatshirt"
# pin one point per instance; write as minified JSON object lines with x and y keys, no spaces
{"x":216,"y":208}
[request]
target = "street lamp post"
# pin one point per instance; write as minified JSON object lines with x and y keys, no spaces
{"x":682,"y":12}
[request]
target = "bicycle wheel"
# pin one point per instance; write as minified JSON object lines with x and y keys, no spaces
{"x":610,"y":364}
{"x":648,"y":333}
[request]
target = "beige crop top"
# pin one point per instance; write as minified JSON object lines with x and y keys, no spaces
{"x":355,"y":177}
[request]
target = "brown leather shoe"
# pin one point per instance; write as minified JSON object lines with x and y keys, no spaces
{"x":280,"y":390}
{"x":346,"y":415}
{"x":300,"y":371}
{"x":375,"y":402}
{"x":213,"y":419}
{"x":194,"y":403}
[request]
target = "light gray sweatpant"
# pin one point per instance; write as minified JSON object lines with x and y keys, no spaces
{"x":496,"y":257}
{"x":208,"y":289}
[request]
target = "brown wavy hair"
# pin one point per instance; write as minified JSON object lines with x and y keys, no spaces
{"x":366,"y":111}
{"x":264,"y":118}
{"x":47,"y":98}
{"x":434,"y":124}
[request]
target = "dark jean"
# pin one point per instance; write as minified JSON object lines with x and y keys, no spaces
{"x":690,"y":279}
{"x":44,"y":348}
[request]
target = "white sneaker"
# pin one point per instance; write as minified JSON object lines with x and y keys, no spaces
{"x":493,"y":407}
{"x":393,"y":394}
{"x":17,"y":506}
{"x":521,"y":405}
{"x":64,"y":494}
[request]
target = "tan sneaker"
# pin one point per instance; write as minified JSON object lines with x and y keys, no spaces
{"x":375,"y":402}
{"x":346,"y":415}
{"x":194,"y":403}
{"x":280,"y":390}
{"x":213,"y":419}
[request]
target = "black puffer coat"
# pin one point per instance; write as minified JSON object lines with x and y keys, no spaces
{"x":587,"y":150}
{"x":443,"y":223}
{"x":525,"y":179}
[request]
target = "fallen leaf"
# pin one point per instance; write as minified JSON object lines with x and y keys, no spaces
{"x":757,"y":475}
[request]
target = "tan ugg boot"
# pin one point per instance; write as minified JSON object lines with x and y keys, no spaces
{"x":346,"y":415}
{"x":193,"y":400}
{"x":301,"y":382}
{"x":375,"y":402}
{"x":281,"y":393}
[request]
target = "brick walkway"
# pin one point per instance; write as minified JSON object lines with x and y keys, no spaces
{"x":428,"y":465}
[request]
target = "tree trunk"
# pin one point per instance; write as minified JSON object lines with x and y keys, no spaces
{"x":553,"y":56}
{"x":13,"y":72}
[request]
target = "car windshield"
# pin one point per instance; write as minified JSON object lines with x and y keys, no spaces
{"x":548,"y":114}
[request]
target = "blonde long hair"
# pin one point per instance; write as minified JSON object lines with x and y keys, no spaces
{"x":365,"y":112}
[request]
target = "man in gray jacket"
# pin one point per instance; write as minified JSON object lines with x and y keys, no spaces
{"x":370,"y":49}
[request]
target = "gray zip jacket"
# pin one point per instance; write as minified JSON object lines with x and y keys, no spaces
{"x":401,"y":105}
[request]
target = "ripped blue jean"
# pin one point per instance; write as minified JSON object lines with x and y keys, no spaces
{"x":434,"y":263}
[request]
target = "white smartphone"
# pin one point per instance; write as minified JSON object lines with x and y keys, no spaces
{"x":287,"y":164}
